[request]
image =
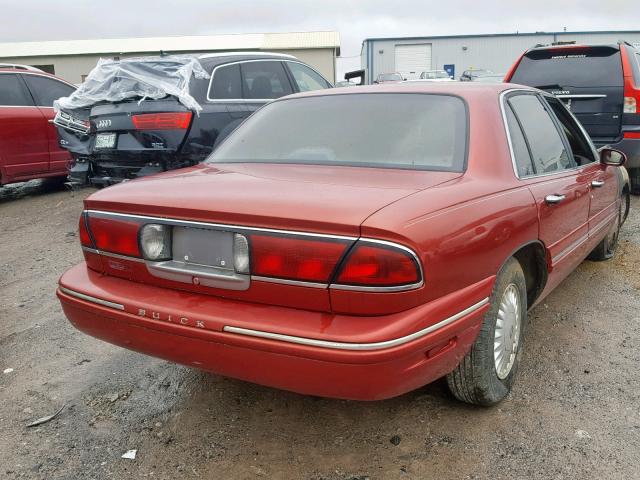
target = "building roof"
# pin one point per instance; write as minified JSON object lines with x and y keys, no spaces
{"x":193,"y":43}
{"x":514,"y":34}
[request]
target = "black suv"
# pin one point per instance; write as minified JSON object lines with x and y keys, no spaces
{"x":116,"y":140}
{"x":599,"y":83}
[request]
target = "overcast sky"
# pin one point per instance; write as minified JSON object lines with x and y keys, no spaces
{"x":33,"y":20}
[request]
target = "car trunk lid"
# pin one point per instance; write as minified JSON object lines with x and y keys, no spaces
{"x":322,"y":199}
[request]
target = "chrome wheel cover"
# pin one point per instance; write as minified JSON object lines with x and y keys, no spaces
{"x":507,"y":332}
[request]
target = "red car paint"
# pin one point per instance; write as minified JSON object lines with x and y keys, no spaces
{"x":344,"y":343}
{"x":29,"y":141}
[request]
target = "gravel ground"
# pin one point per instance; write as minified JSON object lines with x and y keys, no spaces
{"x":574,"y":412}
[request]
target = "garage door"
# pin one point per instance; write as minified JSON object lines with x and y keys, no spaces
{"x":411,"y":60}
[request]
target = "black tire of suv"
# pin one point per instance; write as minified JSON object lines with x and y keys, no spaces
{"x":475,"y":379}
{"x":606,"y":249}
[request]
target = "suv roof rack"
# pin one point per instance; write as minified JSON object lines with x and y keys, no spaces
{"x":17,"y":66}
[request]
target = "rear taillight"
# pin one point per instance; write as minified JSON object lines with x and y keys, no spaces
{"x":162,"y":121}
{"x":291,"y":258}
{"x":379,"y":265}
{"x":115,"y":235}
{"x":85,"y":238}
{"x":630,"y":105}
{"x":155,"y":241}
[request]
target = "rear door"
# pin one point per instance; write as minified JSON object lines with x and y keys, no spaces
{"x":24,"y":144}
{"x":588,"y":79}
{"x":44,"y":91}
{"x":544,"y":165}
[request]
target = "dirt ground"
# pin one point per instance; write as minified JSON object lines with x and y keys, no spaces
{"x":574,"y":412}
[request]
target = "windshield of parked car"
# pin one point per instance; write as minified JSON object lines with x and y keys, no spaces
{"x":390,"y":130}
{"x":389,"y":77}
{"x":570,"y":67}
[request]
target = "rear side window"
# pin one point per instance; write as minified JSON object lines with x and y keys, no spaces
{"x":570,"y":67}
{"x":580,"y":146}
{"x":519,"y":145}
{"x":46,"y":90}
{"x":226,"y":83}
{"x":13,"y":92}
{"x":545,"y":143}
{"x":264,"y":80}
{"x":306,"y":78}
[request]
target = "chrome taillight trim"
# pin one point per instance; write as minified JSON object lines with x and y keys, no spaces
{"x":312,"y":342}
{"x":89,"y":298}
{"x":297,"y":233}
{"x":113,"y":255}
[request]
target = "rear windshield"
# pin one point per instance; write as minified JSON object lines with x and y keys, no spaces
{"x":411,"y":131}
{"x":570,"y":67}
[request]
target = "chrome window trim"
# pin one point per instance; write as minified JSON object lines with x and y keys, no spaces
{"x":508,"y":133}
{"x":253,"y":100}
{"x":312,"y":342}
{"x":240,"y":228}
{"x":89,"y":298}
{"x":581,"y":95}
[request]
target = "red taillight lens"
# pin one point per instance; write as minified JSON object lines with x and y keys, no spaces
{"x":85,"y":238}
{"x":115,"y":236}
{"x":162,"y":121}
{"x":379,"y":266}
{"x":295,"y":258}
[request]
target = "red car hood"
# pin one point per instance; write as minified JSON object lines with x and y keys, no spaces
{"x":315,"y":198}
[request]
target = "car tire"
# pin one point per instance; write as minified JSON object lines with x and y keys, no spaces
{"x":606,"y":249}
{"x":483,"y":377}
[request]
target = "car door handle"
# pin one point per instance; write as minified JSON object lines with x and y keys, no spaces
{"x":554,"y":198}
{"x":597,"y":183}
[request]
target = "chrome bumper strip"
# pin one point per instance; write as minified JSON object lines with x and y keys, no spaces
{"x":357,"y":346}
{"x":89,"y":298}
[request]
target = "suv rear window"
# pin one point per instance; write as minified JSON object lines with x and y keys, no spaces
{"x":395,"y":130}
{"x":570,"y":67}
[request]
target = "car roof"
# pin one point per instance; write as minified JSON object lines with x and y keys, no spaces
{"x":461,"y":89}
{"x":220,"y":57}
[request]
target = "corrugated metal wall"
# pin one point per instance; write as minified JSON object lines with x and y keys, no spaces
{"x":495,"y":53}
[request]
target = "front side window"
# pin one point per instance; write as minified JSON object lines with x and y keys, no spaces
{"x":394,"y":130}
{"x":46,"y":90}
{"x":13,"y":92}
{"x":306,"y":78}
{"x":580,"y":145}
{"x":226,"y":83}
{"x":543,"y":138}
{"x":264,"y":80}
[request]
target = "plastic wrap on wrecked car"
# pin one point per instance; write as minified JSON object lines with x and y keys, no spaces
{"x":144,"y":77}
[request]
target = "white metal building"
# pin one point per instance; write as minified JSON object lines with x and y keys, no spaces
{"x":74,"y":59}
{"x":497,"y":52}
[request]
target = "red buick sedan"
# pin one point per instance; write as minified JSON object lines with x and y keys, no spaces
{"x":354,"y":243}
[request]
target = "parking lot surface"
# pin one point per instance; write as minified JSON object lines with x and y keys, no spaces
{"x":572,"y":414}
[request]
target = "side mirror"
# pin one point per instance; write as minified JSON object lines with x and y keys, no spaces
{"x":611,"y":156}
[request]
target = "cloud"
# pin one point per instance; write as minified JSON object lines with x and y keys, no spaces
{"x":41,"y":20}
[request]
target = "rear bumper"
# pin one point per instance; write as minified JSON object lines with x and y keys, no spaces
{"x":239,"y":339}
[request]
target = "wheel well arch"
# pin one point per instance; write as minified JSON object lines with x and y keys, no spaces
{"x":532,"y":257}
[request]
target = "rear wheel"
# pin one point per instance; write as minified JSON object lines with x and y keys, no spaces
{"x":486,"y":374}
{"x":606,"y":249}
